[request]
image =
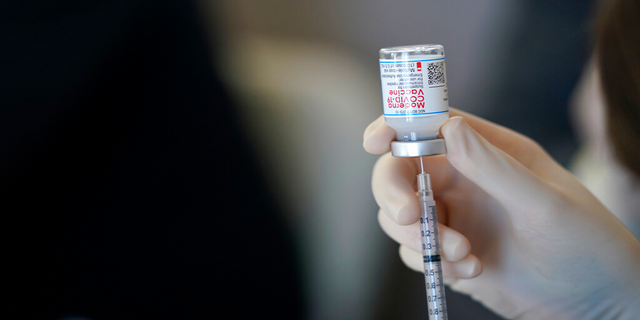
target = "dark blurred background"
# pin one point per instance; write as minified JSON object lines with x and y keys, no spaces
{"x":307,"y":74}
{"x":127,"y":111}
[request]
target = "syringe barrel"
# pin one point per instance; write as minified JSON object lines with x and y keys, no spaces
{"x":434,"y":282}
{"x":414,"y":90}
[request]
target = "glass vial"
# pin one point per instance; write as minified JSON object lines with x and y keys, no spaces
{"x":414,"y":90}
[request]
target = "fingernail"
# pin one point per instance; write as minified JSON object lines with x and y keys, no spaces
{"x":371,"y":129}
{"x":456,"y":251}
{"x":450,"y":126}
{"x":461,"y":144}
{"x":475,"y":268}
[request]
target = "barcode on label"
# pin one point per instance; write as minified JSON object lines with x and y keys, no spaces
{"x":435,"y":73}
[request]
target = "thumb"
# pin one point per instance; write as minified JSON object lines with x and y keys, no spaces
{"x":491,"y":169}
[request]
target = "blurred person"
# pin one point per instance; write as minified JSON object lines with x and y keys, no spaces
{"x":520,"y":233}
{"x":128,"y":189}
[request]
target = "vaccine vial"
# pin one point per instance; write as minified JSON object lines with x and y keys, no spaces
{"x":414,"y":90}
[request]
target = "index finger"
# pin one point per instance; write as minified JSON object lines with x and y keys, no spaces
{"x":378,"y":137}
{"x":522,"y":148}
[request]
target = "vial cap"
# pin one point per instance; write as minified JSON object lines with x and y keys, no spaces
{"x":423,"y":148}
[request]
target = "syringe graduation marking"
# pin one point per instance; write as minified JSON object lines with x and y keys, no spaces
{"x":433,"y":258}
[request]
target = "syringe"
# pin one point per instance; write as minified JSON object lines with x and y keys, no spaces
{"x":436,"y":301}
{"x":415,"y":102}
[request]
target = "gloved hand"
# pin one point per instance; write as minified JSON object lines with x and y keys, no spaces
{"x":518,"y":232}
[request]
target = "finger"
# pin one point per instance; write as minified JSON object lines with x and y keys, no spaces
{"x":467,"y":268}
{"x":520,"y":147}
{"x":454,"y":245}
{"x":394,"y":184}
{"x":378,"y":136}
{"x":411,"y":258}
{"x":496,"y":172}
{"x":513,"y":143}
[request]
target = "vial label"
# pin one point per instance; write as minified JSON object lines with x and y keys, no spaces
{"x":414,"y":87}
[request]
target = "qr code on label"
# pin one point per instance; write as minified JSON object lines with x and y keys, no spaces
{"x":435,"y":73}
